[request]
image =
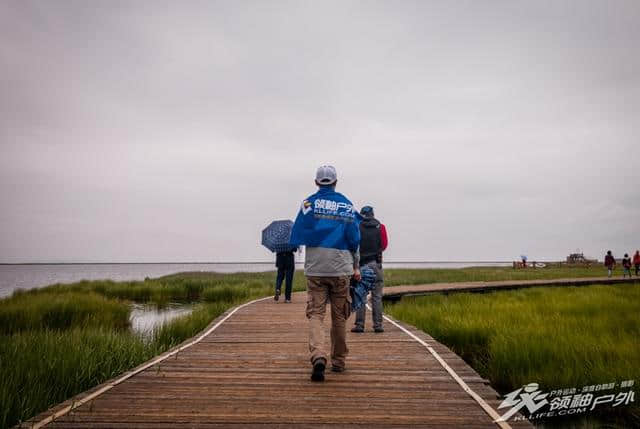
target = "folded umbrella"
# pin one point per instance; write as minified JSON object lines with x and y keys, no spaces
{"x":276,"y":236}
{"x":360,"y":290}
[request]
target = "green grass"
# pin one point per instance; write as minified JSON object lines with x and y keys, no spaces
{"x":43,"y":367}
{"x":56,"y":311}
{"x":197,"y":286}
{"x":557,"y":337}
{"x":60,"y":340}
{"x":184,"y":287}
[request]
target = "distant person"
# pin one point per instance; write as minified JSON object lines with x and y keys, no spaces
{"x":626,"y":266}
{"x":373,"y":241}
{"x":636,"y":262}
{"x":610,"y":263}
{"x":327,"y":224}
{"x":286,"y":263}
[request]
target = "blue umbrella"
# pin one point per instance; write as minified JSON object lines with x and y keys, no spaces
{"x":359,"y":290}
{"x":276,"y":236}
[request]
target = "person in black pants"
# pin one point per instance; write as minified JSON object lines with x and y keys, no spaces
{"x":285,"y":262}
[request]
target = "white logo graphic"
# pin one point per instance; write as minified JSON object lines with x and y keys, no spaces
{"x":527,"y":398}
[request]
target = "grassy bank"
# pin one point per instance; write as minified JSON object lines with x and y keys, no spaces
{"x":60,"y":340}
{"x":558,"y":337}
{"x":58,"y":311}
{"x":213,"y":287}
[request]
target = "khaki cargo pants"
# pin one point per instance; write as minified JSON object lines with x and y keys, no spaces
{"x":335,"y":290}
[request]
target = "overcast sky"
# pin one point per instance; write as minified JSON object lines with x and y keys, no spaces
{"x":480,"y":130}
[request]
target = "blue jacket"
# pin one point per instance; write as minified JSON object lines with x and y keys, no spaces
{"x":327,"y":219}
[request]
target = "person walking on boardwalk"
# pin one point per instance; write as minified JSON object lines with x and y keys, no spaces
{"x":285,"y":262}
{"x":373,"y":241}
{"x":626,"y":266}
{"x":636,"y":262}
{"x":610,"y":263}
{"x":327,"y":224}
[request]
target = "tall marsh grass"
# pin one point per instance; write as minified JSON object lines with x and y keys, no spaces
{"x":557,"y":337}
{"x":56,"y":311}
{"x":42,"y":368}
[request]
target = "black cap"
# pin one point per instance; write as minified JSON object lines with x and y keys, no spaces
{"x":366,"y":211}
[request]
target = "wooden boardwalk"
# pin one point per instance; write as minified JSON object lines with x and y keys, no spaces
{"x":397,"y":292}
{"x":252,"y":371}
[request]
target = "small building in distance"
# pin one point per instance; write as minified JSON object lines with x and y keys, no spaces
{"x":578,"y":258}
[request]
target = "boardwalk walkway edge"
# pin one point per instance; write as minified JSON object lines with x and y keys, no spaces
{"x":395,"y":293}
{"x":486,"y":407}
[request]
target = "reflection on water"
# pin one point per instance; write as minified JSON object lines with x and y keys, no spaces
{"x":145,"y":317}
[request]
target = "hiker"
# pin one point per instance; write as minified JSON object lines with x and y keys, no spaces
{"x":636,"y":262}
{"x":285,"y":261}
{"x":373,"y":241}
{"x":626,"y":266}
{"x":609,"y":262}
{"x":327,"y":224}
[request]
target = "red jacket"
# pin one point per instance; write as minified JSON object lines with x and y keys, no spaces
{"x":385,"y":239}
{"x":636,"y":259}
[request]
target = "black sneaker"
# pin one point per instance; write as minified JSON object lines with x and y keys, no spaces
{"x":357,"y":329}
{"x":277,"y":297}
{"x":378,"y":330}
{"x":335,"y":368}
{"x":318,"y":370}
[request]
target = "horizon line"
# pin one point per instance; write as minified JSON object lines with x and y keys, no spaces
{"x":256,"y":262}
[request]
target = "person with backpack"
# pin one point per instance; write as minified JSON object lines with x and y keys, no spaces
{"x":286,"y":264}
{"x":626,"y":266}
{"x":636,"y":262}
{"x":610,"y":263}
{"x":328,"y":225}
{"x":373,"y":241}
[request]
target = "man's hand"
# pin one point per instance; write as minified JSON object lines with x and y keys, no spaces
{"x":356,"y":274}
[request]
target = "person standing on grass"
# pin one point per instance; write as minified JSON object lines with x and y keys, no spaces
{"x":373,"y":241}
{"x":286,"y":264}
{"x":610,"y":263}
{"x":327,"y":224}
{"x":636,"y":262}
{"x":626,"y":266}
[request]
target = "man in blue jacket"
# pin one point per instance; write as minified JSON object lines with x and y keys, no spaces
{"x":328,"y":225}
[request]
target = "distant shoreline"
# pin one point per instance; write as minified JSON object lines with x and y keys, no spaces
{"x":247,"y":263}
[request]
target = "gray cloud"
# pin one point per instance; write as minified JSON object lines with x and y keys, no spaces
{"x":151,"y":131}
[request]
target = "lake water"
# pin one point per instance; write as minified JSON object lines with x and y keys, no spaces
{"x":29,"y":276}
{"x":145,"y":317}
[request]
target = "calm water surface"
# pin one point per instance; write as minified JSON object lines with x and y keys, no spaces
{"x":145,"y":317}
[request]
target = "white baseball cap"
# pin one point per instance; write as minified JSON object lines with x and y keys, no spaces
{"x":326,"y":175}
